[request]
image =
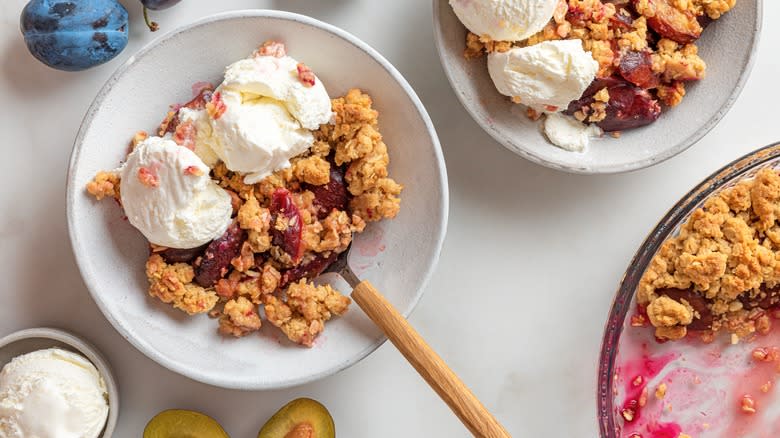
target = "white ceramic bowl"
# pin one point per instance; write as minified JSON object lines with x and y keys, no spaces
{"x":111,"y":253}
{"x":33,"y":339}
{"x":727,"y":46}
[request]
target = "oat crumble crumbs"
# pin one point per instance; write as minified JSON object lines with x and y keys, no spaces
{"x":104,"y":184}
{"x":173,"y":284}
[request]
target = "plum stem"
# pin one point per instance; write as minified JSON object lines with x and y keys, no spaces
{"x":152,"y":25}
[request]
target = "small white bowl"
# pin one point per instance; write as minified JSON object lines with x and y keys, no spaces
{"x":33,"y":339}
{"x":728,"y":47}
{"x":397,"y":255}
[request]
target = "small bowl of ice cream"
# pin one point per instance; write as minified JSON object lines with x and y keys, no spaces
{"x":596,"y":86}
{"x":55,"y":384}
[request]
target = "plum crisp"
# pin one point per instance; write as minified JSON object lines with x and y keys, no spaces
{"x":645,"y":50}
{"x":286,"y":229}
{"x":722,"y":271}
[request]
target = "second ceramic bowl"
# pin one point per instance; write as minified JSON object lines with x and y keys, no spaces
{"x":728,"y":46}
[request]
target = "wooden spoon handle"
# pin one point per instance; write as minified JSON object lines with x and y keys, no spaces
{"x":431,"y":367}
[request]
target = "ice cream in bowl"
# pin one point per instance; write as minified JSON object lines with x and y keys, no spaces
{"x":54,"y":384}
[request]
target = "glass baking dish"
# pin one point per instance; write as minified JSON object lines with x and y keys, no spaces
{"x":649,"y":389}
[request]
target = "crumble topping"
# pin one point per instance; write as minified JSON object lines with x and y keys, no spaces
{"x":104,"y":184}
{"x":173,"y":284}
{"x":722,"y":271}
{"x":271,"y":48}
{"x":302,"y":317}
{"x":239,"y":317}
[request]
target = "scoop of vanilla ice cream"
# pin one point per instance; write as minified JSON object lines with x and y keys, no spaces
{"x":267,"y":118}
{"x":52,"y":393}
{"x":204,"y":139}
{"x":546,"y":76}
{"x":257,"y":135}
{"x":504,"y":20}
{"x":168,"y":195}
{"x":277,"y":78}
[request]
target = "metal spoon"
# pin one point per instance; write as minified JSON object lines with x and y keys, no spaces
{"x":428,"y":364}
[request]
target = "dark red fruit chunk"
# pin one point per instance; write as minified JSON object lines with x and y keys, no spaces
{"x":622,"y":18}
{"x":290,"y":239}
{"x":215,"y":262}
{"x":308,"y":270}
{"x":704,"y":20}
{"x":767,"y":299}
{"x":695,"y":300}
{"x":332,"y":195}
{"x":628,"y":107}
{"x":637,"y":68}
{"x":176,"y":255}
{"x":673,"y":23}
{"x":577,"y":16}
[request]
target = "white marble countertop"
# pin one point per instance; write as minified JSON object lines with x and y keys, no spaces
{"x":527,"y":275}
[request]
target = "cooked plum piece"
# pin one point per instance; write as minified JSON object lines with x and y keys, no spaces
{"x":215,"y":261}
{"x":668,"y":21}
{"x":637,"y":67}
{"x":628,"y":107}
{"x":332,"y":195}
{"x":287,"y":233}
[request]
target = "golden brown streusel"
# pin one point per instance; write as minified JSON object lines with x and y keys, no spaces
{"x":675,"y":62}
{"x":104,"y":184}
{"x":671,"y":95}
{"x":312,"y":170}
{"x":173,"y":284}
{"x":477,"y":46}
{"x":239,"y":317}
{"x":302,"y":317}
{"x":722,"y":271}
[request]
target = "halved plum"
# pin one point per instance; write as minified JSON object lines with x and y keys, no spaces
{"x":291,"y":238}
{"x":215,"y":262}
{"x":332,"y":195}
{"x":670,"y":22}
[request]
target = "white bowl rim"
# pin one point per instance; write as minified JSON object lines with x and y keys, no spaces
{"x":524,"y":152}
{"x":89,"y":351}
{"x":144,"y":347}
